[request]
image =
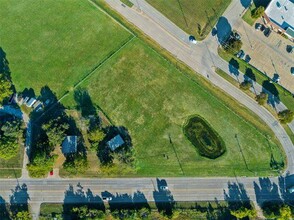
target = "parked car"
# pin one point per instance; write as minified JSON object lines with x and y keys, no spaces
{"x":289,"y":48}
{"x":164,"y":188}
{"x":292,"y":70}
{"x":192,"y":40}
{"x":240,"y":54}
{"x":247,"y":58}
{"x":259,"y":27}
{"x":235,"y":35}
{"x":267,"y":32}
{"x":276,"y":78}
{"x":106,"y":198}
{"x":290,"y":189}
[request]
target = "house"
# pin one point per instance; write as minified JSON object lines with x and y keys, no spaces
{"x":115,"y":142}
{"x":31,"y":102}
{"x":69,"y":145}
{"x":279,"y":16}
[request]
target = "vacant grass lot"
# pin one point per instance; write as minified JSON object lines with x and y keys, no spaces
{"x":196,"y":17}
{"x":12,"y":168}
{"x":140,"y":90}
{"x":55,"y":43}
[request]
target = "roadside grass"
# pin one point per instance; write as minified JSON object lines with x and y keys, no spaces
{"x":284,"y":95}
{"x":154,"y":101}
{"x":12,"y":168}
{"x":55,"y":43}
{"x":255,"y":4}
{"x":127,"y":3}
{"x":252,"y":95}
{"x":247,"y":16}
{"x":195,"y":17}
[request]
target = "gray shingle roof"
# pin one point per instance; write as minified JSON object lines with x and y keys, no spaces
{"x":115,"y":142}
{"x":69,"y":145}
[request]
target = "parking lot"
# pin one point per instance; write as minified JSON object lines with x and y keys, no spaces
{"x":268,"y":54}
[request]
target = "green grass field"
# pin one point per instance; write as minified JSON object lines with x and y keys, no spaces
{"x":154,"y":101}
{"x":196,"y":17}
{"x":12,"y":168}
{"x":55,"y":43}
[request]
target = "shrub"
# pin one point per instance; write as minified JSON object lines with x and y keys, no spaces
{"x":246,"y":85}
{"x":256,"y":13}
{"x":233,"y":46}
{"x":204,"y":138}
{"x":286,"y":116}
{"x":261,"y":98}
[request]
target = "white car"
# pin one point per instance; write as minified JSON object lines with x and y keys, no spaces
{"x":192,"y":40}
{"x":164,"y":188}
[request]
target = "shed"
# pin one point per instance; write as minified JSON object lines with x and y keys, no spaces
{"x":69,"y":145}
{"x":115,"y":142}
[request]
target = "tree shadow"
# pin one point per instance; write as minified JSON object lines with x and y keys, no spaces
{"x":163,"y":198}
{"x":84,"y":103}
{"x":234,"y":67}
{"x":223,"y":30}
{"x":245,"y":3}
{"x":19,"y":199}
{"x":263,"y":3}
{"x":273,"y":94}
{"x":266,"y":191}
{"x":104,"y":153}
{"x":78,"y":197}
{"x":4,"y":64}
{"x":249,"y":75}
{"x":236,"y":196}
{"x":4,"y":214}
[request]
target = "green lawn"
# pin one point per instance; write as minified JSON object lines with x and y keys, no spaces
{"x":284,"y":95}
{"x":154,"y":101}
{"x":55,"y":43}
{"x":196,"y":17}
{"x":12,"y":168}
{"x":255,"y":3}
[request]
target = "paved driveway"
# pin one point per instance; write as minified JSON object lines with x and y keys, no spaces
{"x":268,"y":54}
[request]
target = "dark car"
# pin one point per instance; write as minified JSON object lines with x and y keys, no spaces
{"x":240,"y":54}
{"x":235,"y":35}
{"x":289,"y":48}
{"x":247,"y":58}
{"x":267,"y":32}
{"x":259,"y":26}
{"x":292,"y":70}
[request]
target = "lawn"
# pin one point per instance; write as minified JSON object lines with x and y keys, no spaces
{"x":154,"y":101}
{"x":255,"y":4}
{"x":55,"y":43}
{"x":196,"y":17}
{"x":12,"y":168}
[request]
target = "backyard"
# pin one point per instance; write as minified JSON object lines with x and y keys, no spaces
{"x":154,"y":101}
{"x":196,"y":17}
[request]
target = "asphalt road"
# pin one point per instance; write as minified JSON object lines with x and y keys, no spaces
{"x":203,"y":59}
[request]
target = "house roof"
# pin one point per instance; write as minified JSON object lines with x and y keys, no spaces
{"x":69,"y":145}
{"x":281,"y":12}
{"x":30,"y":102}
{"x":115,"y":142}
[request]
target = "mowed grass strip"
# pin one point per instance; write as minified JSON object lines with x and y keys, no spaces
{"x":55,"y":43}
{"x":196,"y":17}
{"x":140,"y":90}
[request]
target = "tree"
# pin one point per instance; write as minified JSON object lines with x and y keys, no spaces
{"x":24,"y":215}
{"x":5,"y":89}
{"x":261,"y":98}
{"x":285,"y":213}
{"x":8,"y":148}
{"x":96,"y":135}
{"x":244,"y":212}
{"x":246,"y":85}
{"x":11,"y":129}
{"x":286,"y":116}
{"x":55,"y":131}
{"x":233,"y":46}
{"x":76,"y":163}
{"x":256,"y":13}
